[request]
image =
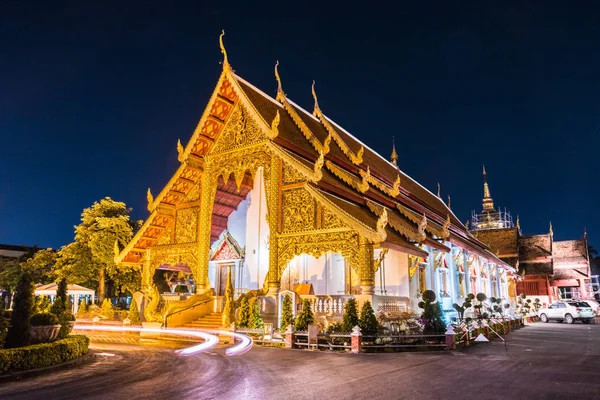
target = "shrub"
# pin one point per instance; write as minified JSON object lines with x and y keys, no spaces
{"x":83,"y":309}
{"x":44,"y":319}
{"x":350,"y":319}
{"x":43,"y":355}
{"x":3,"y":323}
{"x":334,"y":327}
{"x":134,"y":313}
{"x":368,"y":322}
{"x":433,"y":322}
{"x":244,"y":313}
{"x":287,"y":316}
{"x":42,"y":304}
{"x":107,"y":310}
{"x":19,"y":331}
{"x":305,"y":317}
{"x":60,"y":302}
{"x":256,"y":321}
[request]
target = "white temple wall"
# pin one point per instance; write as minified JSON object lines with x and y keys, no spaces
{"x":237,"y":221}
{"x":326,"y":273}
{"x":256,"y":264}
{"x":392,"y":276}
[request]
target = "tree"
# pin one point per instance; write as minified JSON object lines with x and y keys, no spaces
{"x":244,"y":313}
{"x":305,"y":317}
{"x":229,"y":308}
{"x":83,"y":309}
{"x":287,"y":315}
{"x":37,"y":263}
{"x":350,"y":319}
{"x":59,"y":306}
{"x":256,"y":321}
{"x":368,"y":322}
{"x":89,"y":259}
{"x":3,"y":322}
{"x":107,"y":310}
{"x":134,"y":313}
{"x":432,"y":317}
{"x":19,"y":331}
{"x":42,"y":305}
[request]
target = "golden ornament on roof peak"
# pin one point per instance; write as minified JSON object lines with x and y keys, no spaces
{"x":280,"y":94}
{"x":223,"y":51}
{"x":316,"y":108}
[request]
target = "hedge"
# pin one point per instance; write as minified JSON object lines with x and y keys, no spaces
{"x":43,"y":355}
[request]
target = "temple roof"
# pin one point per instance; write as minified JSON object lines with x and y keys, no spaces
{"x":535,"y":247}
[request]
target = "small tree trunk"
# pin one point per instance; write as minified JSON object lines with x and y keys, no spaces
{"x":101,"y":286}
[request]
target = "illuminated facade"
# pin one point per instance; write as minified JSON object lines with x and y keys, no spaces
{"x":284,"y":197}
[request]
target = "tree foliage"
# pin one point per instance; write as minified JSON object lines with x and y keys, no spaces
{"x":350,"y":318}
{"x":107,"y":310}
{"x":89,"y":260}
{"x":37,"y":263}
{"x":432,"y":318}
{"x":244,"y":313}
{"x":305,"y":317}
{"x":134,"y":313}
{"x":368,"y":321}
{"x":287,"y":315}
{"x":256,"y":321}
{"x":4,"y":322}
{"x":59,"y":306}
{"x":19,"y":331}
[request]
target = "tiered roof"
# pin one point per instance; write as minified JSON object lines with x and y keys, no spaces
{"x":352,"y":177}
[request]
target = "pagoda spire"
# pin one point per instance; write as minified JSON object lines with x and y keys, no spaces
{"x":488,"y":202}
{"x":394,"y":156}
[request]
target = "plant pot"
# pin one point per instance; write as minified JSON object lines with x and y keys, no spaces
{"x":44,"y":333}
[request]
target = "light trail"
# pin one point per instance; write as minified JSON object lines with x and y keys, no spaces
{"x":210,"y":341}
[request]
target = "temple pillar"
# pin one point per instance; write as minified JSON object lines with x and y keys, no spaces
{"x":366,"y":266}
{"x":273,"y":214}
{"x":146,"y":271}
{"x":207,"y":197}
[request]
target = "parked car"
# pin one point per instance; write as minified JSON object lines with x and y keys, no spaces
{"x":568,"y":311}
{"x":594,"y":304}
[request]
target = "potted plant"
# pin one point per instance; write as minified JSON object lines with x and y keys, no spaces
{"x":44,"y":328}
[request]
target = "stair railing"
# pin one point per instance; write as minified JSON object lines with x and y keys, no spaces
{"x":200,"y":303}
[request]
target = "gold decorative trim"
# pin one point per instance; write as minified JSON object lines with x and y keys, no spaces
{"x":179,"y":151}
{"x":274,"y":132}
{"x":397,"y":223}
{"x":363,"y":186}
{"x":223,"y":51}
{"x":446,"y":228}
{"x":416,"y":218}
{"x":150,"y":199}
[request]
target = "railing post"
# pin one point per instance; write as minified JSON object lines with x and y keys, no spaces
{"x":356,"y":337}
{"x":289,"y":337}
{"x":450,"y":338}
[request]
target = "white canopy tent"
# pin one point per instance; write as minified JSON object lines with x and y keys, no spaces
{"x":72,"y":290}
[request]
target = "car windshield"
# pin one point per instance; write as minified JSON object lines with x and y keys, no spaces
{"x":579,"y":304}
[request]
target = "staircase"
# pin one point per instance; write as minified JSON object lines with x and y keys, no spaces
{"x":211,"y":321}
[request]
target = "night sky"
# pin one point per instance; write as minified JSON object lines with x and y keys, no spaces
{"x":94,"y":95}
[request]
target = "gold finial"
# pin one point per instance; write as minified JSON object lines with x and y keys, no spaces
{"x":446,"y":227}
{"x":421,"y":228}
{"x":363,"y":186}
{"x":448,"y":201}
{"x":488,"y":202}
{"x":394,"y":156}
{"x":275,"y":125}
{"x":396,"y":187}
{"x":225,"y":61}
{"x":551,"y":231}
{"x":484,"y":170}
{"x":280,"y":94}
{"x":439,"y":190}
{"x":179,"y":151}
{"x":518,"y":224}
{"x":150,"y":199}
{"x":467,"y":225}
{"x":316,"y":109}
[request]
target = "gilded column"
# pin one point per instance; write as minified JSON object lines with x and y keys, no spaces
{"x":207,"y":197}
{"x":146,"y":271}
{"x":273,"y":214}
{"x":366,"y":267}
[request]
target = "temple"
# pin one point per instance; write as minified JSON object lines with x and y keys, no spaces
{"x":551,"y":269}
{"x":285,"y":201}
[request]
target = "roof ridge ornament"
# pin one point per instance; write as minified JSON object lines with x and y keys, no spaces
{"x":449,"y":208}
{"x":518,"y":224}
{"x":421,"y":228}
{"x":274,"y":126}
{"x":439,"y":191}
{"x":316,"y":109}
{"x":382,"y":222}
{"x":396,"y":187}
{"x":179,"y":151}
{"x":226,"y":65}
{"x":363,"y":186}
{"x":446,"y":228}
{"x":394,"y":156}
{"x":280,"y":95}
{"x":317,"y":169}
{"x":150,"y":199}
{"x":551,"y":232}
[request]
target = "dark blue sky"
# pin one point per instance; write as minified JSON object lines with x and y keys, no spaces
{"x":94,"y":95}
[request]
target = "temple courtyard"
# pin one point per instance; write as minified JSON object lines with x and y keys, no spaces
{"x":550,"y":360}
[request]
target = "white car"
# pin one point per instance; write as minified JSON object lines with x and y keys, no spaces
{"x":594,"y":304}
{"x":568,"y":311}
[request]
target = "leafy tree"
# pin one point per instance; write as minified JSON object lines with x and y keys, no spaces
{"x":107,"y":310}
{"x":37,"y":263}
{"x":3,"y":322}
{"x":305,"y":317}
{"x":287,"y":315}
{"x":83,"y":309}
{"x":256,"y":320}
{"x":432,"y":317}
{"x":89,"y":260}
{"x":19,"y":331}
{"x":368,"y":321}
{"x":229,"y":307}
{"x":42,"y":305}
{"x":244,"y":313}
{"x":350,"y":319}
{"x":134,"y":313}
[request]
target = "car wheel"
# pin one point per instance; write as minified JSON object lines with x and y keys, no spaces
{"x":544,"y":318}
{"x":586,"y":321}
{"x":569,"y":319}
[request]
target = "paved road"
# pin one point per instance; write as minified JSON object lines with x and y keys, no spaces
{"x":549,"y":361}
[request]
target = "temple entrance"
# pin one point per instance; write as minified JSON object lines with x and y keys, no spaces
{"x":239,"y":234}
{"x":327,"y":275}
